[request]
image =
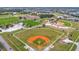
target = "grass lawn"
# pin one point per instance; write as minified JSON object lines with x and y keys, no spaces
{"x":30,"y":23}
{"x":66,"y":23}
{"x":62,"y":47}
{"x":74,"y":35}
{"x":8,"y":20}
{"x":70,"y":23}
{"x":14,"y":43}
{"x":75,"y":25}
{"x":50,"y":33}
{"x":39,"y":41}
{"x":57,"y":14}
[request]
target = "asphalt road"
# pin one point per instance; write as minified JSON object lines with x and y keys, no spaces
{"x":5,"y":44}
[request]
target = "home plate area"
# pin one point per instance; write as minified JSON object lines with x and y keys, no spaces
{"x":38,"y":41}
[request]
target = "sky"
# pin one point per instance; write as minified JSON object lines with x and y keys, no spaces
{"x":39,"y":3}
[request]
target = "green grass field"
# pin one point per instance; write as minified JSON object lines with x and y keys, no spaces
{"x":50,"y":33}
{"x":57,"y":14}
{"x":30,"y":23}
{"x":39,"y":41}
{"x":75,"y":25}
{"x":63,"y":47}
{"x":13,"y":42}
{"x":66,"y":23}
{"x":12,"y":19}
{"x":74,"y":35}
{"x":18,"y":39}
{"x":8,"y":20}
{"x":70,"y":23}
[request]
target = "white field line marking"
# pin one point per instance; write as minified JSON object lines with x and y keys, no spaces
{"x":73,"y":44}
{"x":28,"y":29}
{"x":35,"y":27}
{"x":22,"y":30}
{"x":58,"y":38}
{"x":23,"y":42}
{"x":31,"y":28}
{"x":14,"y":44}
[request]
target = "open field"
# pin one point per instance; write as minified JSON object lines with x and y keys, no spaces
{"x":66,"y":23}
{"x":8,"y":21}
{"x":57,"y":14}
{"x":70,"y":23}
{"x":63,"y":47}
{"x":75,"y":25}
{"x":30,"y":23}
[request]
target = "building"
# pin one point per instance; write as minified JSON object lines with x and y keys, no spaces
{"x":30,"y":17}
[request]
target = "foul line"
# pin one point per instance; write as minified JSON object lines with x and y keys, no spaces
{"x":28,"y":29}
{"x":58,"y":38}
{"x":73,"y":44}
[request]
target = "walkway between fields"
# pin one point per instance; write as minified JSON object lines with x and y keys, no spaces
{"x":70,"y":41}
{"x":60,"y":27}
{"x":14,"y":28}
{"x":77,"y":49}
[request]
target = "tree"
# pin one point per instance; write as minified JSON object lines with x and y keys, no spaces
{"x":44,"y":25}
{"x":46,"y":15}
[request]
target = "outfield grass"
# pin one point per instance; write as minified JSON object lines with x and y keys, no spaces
{"x":75,"y":25}
{"x":74,"y":35}
{"x":63,"y":47}
{"x":50,"y":33}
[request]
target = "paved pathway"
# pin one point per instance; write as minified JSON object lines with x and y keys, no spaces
{"x":70,"y":41}
{"x":48,"y":48}
{"x":77,"y":49}
{"x":5,"y":44}
{"x":56,"y":26}
{"x":14,"y":28}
